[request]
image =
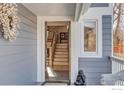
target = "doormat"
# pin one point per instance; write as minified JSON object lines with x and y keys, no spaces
{"x":56,"y":84}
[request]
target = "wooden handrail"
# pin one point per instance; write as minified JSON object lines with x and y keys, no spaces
{"x":53,"y":38}
{"x":52,"y":49}
{"x":53,"y":46}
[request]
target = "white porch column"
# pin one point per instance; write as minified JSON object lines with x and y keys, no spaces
{"x":75,"y":49}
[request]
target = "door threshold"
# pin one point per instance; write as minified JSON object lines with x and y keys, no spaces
{"x":58,"y":81}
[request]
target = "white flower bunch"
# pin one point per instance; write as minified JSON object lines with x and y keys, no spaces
{"x":9,"y":20}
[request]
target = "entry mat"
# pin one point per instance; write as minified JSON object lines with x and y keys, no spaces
{"x":56,"y":83}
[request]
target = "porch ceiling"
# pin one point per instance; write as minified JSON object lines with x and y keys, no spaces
{"x":51,"y":9}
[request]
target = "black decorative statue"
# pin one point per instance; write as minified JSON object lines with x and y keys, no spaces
{"x":80,"y":78}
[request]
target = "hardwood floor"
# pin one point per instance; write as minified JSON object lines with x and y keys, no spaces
{"x":59,"y":76}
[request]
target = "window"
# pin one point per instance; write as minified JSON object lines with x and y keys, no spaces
{"x":118,"y":30}
{"x":90,"y":36}
{"x":91,"y":46}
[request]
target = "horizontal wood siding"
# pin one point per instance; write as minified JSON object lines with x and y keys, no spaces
{"x":95,"y":67}
{"x":99,"y":5}
{"x":18,"y":59}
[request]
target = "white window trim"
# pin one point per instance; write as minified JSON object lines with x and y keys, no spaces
{"x":98,"y":52}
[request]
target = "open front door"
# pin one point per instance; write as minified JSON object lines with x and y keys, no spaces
{"x":57,"y":51}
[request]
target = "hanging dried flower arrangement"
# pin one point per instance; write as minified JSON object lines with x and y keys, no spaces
{"x":8,"y":21}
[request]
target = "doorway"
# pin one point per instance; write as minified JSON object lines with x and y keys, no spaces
{"x":57,"y":55}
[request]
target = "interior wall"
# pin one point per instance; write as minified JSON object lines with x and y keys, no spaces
{"x":61,"y":29}
{"x":18,"y":59}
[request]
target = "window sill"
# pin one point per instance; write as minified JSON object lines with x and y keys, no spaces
{"x":84,"y":56}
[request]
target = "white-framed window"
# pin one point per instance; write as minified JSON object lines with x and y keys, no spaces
{"x":118,"y":31}
{"x":90,"y":38}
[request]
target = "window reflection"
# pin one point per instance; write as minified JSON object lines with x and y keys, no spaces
{"x":90,"y":36}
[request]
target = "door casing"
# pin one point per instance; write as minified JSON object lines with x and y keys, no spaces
{"x":41,"y":47}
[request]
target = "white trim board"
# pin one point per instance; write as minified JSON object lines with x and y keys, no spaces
{"x":41,"y":46}
{"x":98,"y":52}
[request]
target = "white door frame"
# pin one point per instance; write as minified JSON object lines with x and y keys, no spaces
{"x":41,"y":47}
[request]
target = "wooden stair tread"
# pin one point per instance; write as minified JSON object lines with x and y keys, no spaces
{"x":62,"y":44}
{"x":62,"y":53}
{"x":60,"y":60}
{"x":61,"y":56}
{"x":61,"y":50}
{"x":60,"y":63}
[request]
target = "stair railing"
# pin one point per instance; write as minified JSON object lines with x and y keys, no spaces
{"x":52,"y":49}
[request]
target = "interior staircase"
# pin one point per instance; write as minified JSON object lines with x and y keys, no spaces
{"x":61,"y":57}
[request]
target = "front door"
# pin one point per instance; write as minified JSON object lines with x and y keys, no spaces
{"x":57,"y":51}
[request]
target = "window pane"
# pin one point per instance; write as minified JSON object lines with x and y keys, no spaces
{"x":90,"y":36}
{"x":118,"y":30}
